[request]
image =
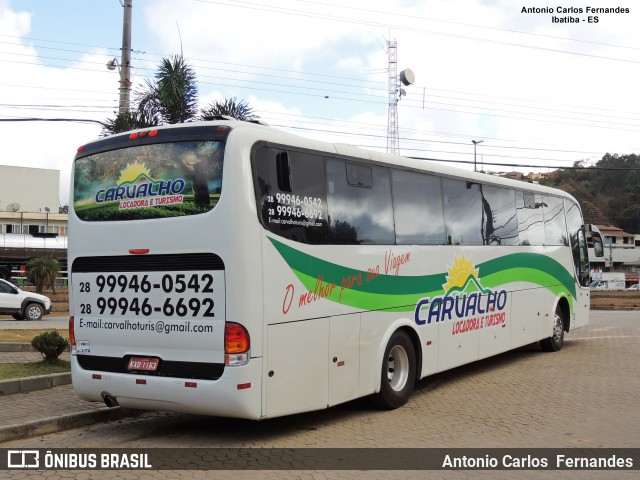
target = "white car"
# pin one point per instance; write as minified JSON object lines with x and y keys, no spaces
{"x":634,"y":287}
{"x":22,"y":305}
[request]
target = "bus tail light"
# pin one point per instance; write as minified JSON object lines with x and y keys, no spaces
{"x":236,"y":344}
{"x":72,"y":335}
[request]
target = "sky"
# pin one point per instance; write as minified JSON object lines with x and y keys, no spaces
{"x":538,"y":94}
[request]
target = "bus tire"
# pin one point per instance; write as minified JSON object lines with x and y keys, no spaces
{"x":398,"y":372}
{"x":33,"y":311}
{"x":555,"y":341}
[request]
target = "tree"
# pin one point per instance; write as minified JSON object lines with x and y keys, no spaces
{"x":171,"y":98}
{"x":125,"y":121}
{"x":42,"y":272}
{"x":230,"y":107}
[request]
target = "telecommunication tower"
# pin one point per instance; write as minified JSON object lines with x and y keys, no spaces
{"x":396,"y":92}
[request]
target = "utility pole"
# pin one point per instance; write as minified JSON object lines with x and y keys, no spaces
{"x":475,"y":144}
{"x":125,"y":59}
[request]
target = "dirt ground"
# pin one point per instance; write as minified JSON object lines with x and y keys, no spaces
{"x":615,"y":300}
{"x":600,"y":300}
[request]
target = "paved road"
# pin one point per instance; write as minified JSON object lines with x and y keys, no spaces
{"x":45,"y":323}
{"x":587,"y":395}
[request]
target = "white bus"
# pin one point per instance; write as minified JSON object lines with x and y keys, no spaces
{"x":228,"y":268}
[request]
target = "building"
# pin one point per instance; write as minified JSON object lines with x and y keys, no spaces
{"x":29,"y":201}
{"x":32,"y":222}
{"x":621,"y":254}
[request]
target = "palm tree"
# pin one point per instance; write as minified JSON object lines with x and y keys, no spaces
{"x":171,"y":98}
{"x":125,"y":121}
{"x":231,"y":107}
{"x":42,"y":272}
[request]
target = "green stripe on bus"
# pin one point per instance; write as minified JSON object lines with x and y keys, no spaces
{"x":401,"y":293}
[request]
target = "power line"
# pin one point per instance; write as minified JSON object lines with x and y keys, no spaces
{"x":373,"y":99}
{"x":555,"y":167}
{"x":290,"y":11}
{"x":419,"y":17}
{"x":35,"y":119}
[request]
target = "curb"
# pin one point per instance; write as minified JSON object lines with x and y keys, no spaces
{"x":16,"y":347}
{"x":58,"y":424}
{"x":31,"y":384}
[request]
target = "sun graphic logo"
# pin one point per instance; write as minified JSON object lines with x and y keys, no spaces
{"x":133,"y":173}
{"x":464,"y":297}
{"x":461,"y":275}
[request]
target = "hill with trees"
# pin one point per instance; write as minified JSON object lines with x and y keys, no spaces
{"x":609,"y":192}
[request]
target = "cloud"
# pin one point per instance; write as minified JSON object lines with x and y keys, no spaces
{"x":33,"y":89}
{"x":536,"y":92}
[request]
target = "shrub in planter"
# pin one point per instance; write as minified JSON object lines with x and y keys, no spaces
{"x":50,"y":345}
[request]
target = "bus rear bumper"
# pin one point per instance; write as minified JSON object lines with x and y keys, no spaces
{"x":238,"y":393}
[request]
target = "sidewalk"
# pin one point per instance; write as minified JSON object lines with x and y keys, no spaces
{"x":47,"y":410}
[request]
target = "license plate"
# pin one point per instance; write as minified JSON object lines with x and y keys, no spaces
{"x":143,"y":364}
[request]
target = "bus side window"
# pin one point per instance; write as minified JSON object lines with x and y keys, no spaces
{"x":417,"y":205}
{"x":283,"y":170}
{"x":555,"y":227}
{"x":530,"y":219}
{"x":360,"y":209}
{"x":500,"y":219}
{"x":462,"y":212}
{"x":291,"y":194}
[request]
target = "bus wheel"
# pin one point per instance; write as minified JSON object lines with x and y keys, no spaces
{"x":33,"y":312}
{"x":555,"y":341}
{"x":398,"y":375}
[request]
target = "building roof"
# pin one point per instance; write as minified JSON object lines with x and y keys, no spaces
{"x":613,"y":231}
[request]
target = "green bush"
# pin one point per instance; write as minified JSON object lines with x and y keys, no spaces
{"x":50,"y":345}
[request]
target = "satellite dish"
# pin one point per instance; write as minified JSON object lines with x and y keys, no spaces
{"x":403,"y":93}
{"x":13,"y":207}
{"x":407,"y":77}
{"x":112,"y":64}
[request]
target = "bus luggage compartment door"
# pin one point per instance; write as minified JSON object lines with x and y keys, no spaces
{"x":297,"y":367}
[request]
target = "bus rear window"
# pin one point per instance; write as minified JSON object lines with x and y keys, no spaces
{"x":149,"y":181}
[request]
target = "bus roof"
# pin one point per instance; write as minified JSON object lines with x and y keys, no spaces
{"x":259,"y":131}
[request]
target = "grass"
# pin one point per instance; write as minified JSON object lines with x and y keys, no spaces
{"x":32,"y":369}
{"x":25,"y":336}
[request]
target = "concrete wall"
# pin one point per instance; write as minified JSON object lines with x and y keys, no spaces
{"x":32,"y":188}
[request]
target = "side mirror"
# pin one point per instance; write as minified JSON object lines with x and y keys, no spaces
{"x":595,"y":237}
